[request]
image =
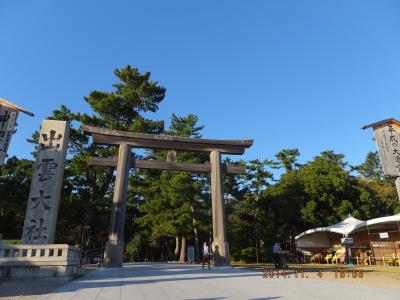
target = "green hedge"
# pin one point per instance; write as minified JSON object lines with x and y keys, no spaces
{"x":11,"y":242}
{"x":246,"y":255}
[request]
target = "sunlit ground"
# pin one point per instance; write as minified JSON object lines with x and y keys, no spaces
{"x":376,"y":275}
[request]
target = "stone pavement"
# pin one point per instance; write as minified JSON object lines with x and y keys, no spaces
{"x":28,"y":288}
{"x":180,"y":281}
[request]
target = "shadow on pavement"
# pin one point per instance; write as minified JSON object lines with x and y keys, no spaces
{"x":28,"y":287}
{"x":35,"y":287}
{"x":137,"y":273}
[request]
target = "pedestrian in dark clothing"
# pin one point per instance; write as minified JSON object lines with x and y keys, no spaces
{"x":276,"y":251}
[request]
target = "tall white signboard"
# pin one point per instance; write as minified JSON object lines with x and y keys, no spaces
{"x":44,"y":197}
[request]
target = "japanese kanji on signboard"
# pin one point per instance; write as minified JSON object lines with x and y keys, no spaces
{"x":44,"y":197}
{"x":8,"y":121}
{"x":387,"y":137}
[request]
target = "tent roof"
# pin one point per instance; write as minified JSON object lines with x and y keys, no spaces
{"x":350,"y":224}
{"x":344,"y":227}
{"x":382,"y":220}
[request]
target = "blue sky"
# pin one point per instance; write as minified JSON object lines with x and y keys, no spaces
{"x":304,"y":74}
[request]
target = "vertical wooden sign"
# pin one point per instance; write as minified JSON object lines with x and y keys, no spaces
{"x":8,"y":119}
{"x":387,"y":138}
{"x":44,"y":197}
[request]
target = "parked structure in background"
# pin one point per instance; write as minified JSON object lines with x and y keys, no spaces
{"x":376,"y":240}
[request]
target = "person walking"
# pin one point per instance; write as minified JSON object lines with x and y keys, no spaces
{"x":276,"y":250}
{"x":206,"y":255}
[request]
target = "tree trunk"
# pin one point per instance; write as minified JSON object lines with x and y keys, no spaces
{"x":183,"y":250}
{"x":196,"y":245}
{"x":196,"y":236}
{"x":257,"y":251}
{"x":255,"y":207}
{"x":176,"y":252}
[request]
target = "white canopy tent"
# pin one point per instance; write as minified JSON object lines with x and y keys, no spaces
{"x":382,"y":224}
{"x":319,"y":237}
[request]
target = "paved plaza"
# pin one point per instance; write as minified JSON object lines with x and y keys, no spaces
{"x":181,"y":281}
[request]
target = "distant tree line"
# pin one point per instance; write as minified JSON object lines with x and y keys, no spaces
{"x":167,"y":211}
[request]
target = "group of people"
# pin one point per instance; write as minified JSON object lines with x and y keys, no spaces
{"x":279,"y":261}
{"x":208,"y":254}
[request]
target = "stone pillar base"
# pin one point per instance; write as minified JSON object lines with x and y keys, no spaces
{"x":114,"y":254}
{"x":50,"y":260}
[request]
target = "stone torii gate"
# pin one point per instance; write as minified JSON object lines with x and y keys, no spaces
{"x":113,"y":256}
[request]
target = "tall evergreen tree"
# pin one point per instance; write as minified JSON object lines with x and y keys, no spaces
{"x":121,"y":109}
{"x":15,"y":180}
{"x":288,"y":158}
{"x":371,"y":168}
{"x":170,"y":207}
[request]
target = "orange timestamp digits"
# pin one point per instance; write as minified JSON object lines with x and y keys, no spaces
{"x":299,"y":273}
{"x":271,"y":273}
{"x":354,"y":273}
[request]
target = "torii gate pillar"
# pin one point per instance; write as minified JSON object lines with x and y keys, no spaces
{"x":114,"y":251}
{"x":220,"y":244}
